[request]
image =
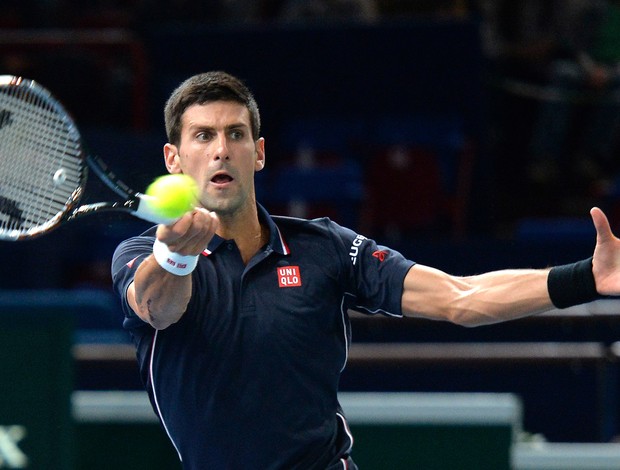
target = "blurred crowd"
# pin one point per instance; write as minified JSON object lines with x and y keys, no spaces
{"x":551,"y":76}
{"x":139,"y":13}
{"x":555,"y":80}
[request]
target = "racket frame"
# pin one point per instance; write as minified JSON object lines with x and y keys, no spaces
{"x":132,"y":202}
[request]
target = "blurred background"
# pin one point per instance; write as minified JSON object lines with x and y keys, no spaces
{"x":469,"y":135}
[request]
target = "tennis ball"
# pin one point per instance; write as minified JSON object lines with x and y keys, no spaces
{"x":173,"y":195}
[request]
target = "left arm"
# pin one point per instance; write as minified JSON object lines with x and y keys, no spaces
{"x":509,"y":294}
{"x":475,"y":300}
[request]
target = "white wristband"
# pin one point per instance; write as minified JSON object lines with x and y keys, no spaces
{"x":172,"y":262}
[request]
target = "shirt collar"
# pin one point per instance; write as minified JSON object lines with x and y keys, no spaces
{"x":276,"y":240}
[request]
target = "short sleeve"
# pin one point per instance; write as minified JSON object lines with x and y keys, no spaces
{"x":375,"y":273}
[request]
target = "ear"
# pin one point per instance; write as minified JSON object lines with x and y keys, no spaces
{"x":259,"y":164}
{"x":171,"y":158}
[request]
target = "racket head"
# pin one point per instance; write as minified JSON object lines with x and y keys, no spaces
{"x":43,"y":169}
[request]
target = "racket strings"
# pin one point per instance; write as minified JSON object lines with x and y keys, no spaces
{"x":41,"y":164}
{"x":26,"y":183}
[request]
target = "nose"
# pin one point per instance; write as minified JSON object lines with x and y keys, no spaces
{"x":221,"y":148}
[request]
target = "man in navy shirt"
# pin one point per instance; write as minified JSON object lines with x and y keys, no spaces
{"x":240,"y":318}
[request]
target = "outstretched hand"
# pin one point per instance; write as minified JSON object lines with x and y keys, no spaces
{"x":606,"y":262}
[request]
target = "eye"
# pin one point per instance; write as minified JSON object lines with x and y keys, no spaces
{"x":203,"y":136}
{"x":236,"y":134}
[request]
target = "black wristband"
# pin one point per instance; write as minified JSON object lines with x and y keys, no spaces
{"x":572,"y":284}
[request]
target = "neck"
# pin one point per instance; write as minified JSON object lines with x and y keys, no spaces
{"x":247,"y":232}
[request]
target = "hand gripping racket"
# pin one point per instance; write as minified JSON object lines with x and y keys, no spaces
{"x":44,"y":168}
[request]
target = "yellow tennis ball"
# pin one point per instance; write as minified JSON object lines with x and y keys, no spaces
{"x":173,"y":195}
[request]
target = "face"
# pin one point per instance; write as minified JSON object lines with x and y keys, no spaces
{"x":218,"y":151}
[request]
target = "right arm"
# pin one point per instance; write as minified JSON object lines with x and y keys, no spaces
{"x":158,"y":297}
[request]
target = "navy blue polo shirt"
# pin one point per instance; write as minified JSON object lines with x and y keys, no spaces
{"x":248,"y":377}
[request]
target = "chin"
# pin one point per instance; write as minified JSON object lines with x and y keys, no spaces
{"x":222,"y":207}
{"x":228,"y":206}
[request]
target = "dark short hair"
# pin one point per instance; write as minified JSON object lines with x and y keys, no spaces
{"x":204,"y":88}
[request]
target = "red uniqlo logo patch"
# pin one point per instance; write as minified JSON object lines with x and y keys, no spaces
{"x":288,"y":276}
{"x":380,"y":255}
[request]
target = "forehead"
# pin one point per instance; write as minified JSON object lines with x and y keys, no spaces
{"x":216,"y":114}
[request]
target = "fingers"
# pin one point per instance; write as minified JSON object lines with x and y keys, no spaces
{"x":191,"y":234}
{"x":601,"y":224}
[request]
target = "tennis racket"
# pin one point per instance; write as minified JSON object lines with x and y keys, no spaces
{"x":44,"y":168}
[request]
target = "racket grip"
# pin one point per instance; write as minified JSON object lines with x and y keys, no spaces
{"x":146,"y":210}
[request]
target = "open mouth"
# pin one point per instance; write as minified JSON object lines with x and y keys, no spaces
{"x":221,"y":178}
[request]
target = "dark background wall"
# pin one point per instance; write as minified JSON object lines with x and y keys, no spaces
{"x":349,"y":89}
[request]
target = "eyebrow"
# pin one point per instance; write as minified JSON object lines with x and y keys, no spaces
{"x":196,"y":126}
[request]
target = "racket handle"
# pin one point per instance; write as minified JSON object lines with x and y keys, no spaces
{"x":146,"y":210}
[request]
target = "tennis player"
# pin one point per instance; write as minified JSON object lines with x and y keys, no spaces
{"x":240,"y":318}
